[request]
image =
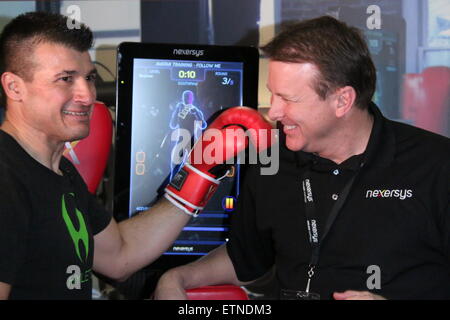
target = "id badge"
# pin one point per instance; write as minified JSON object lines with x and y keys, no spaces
{"x":287,"y":294}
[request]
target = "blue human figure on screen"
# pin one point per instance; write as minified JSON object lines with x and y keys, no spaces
{"x":188,"y":117}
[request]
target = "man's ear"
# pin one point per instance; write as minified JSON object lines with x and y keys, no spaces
{"x":345,"y":97}
{"x":12,"y":85}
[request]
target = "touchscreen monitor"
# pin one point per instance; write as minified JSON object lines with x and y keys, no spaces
{"x":164,"y":90}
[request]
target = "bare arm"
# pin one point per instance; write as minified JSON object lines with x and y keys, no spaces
{"x":5,"y":289}
{"x":356,"y":295}
{"x":212,"y":269}
{"x":123,"y":248}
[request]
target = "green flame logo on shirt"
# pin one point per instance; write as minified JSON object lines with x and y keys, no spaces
{"x":77,"y":235}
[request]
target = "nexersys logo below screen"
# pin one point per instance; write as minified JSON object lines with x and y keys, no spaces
{"x":394,"y":193}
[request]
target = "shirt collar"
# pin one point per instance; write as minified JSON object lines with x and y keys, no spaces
{"x":381,"y":147}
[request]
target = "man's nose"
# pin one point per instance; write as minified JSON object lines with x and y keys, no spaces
{"x":85,"y":92}
{"x":276,"y":110}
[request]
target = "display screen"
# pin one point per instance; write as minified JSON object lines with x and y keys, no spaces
{"x":170,"y":96}
{"x":164,"y":92}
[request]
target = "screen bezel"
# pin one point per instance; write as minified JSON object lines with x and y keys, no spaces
{"x":126,"y":53}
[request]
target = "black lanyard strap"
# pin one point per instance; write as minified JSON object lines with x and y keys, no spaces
{"x":315,"y":237}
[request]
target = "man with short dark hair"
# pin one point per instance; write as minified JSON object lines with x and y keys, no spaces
{"x":53,"y":233}
{"x":360,"y":206}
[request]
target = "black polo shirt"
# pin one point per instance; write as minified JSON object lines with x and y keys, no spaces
{"x":396,"y":218}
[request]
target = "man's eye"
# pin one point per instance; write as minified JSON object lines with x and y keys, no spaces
{"x":66,"y":79}
{"x":91,"y":77}
{"x":292,"y":100}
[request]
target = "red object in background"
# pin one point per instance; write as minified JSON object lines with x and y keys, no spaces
{"x":224,"y":292}
{"x":90,"y":155}
{"x":426,"y":99}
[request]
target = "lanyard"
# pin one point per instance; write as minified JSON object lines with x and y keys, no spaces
{"x":315,"y":238}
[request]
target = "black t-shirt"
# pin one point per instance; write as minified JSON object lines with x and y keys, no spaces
{"x":395,"y":220}
{"x":47,"y":223}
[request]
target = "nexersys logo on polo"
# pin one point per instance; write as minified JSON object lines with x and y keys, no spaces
{"x":401,"y":194}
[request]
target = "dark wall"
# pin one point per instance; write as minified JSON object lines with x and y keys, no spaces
{"x":233,"y":22}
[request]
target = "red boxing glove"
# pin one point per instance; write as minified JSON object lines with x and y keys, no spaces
{"x":196,"y":182}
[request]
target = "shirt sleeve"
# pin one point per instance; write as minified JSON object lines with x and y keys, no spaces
{"x":250,"y":246}
{"x":14,"y":222}
{"x":99,"y":216}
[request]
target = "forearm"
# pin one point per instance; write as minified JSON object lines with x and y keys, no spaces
{"x":213,"y":269}
{"x":146,"y":236}
{"x":5,"y":289}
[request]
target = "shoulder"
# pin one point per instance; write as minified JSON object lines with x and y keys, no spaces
{"x":11,"y":170}
{"x":417,"y":142}
{"x":273,"y":169}
{"x":14,"y":197}
{"x":10,"y":151}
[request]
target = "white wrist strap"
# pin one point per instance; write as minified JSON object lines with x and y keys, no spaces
{"x":169,"y":196}
{"x":203,"y":175}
